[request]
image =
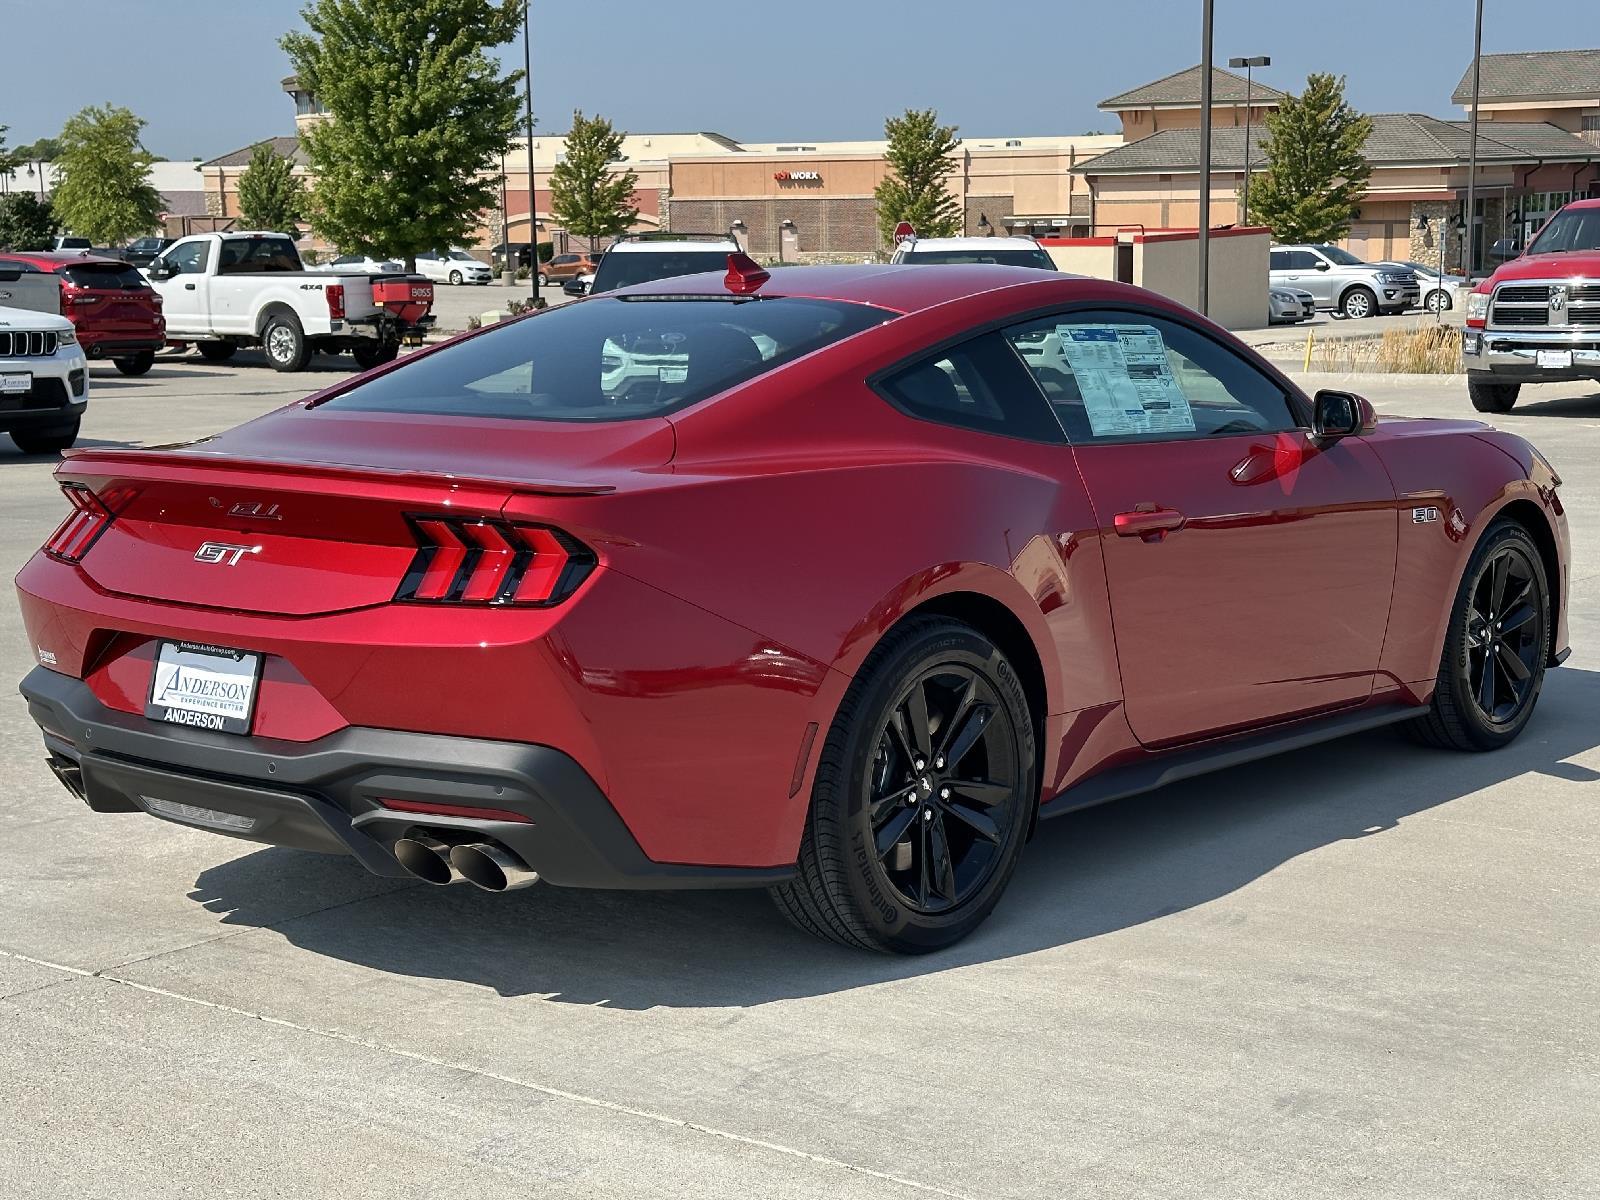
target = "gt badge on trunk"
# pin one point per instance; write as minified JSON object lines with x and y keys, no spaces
{"x":208,"y":687}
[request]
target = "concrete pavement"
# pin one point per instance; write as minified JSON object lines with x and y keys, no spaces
{"x":1368,"y":969}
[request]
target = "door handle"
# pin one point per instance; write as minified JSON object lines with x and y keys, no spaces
{"x":188,"y":287}
{"x":1148,"y":522}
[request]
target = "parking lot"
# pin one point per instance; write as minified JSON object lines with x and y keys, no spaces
{"x":1364,"y":969}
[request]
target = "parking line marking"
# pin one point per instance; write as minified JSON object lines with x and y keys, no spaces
{"x":544,"y":1089}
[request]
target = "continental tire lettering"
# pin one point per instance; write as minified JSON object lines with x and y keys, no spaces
{"x":886,"y":910}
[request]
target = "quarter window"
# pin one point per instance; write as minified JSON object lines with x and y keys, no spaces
{"x":190,"y":258}
{"x":977,"y":385}
{"x":1121,"y":376}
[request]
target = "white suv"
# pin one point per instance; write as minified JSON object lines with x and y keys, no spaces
{"x":44,"y":380}
{"x":1000,"y":251}
{"x":645,"y":257}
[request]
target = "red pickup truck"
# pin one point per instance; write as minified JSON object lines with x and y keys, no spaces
{"x":1537,"y":318}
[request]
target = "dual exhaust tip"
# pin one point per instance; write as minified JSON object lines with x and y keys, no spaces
{"x":487,"y":865}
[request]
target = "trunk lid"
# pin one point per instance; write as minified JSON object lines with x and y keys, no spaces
{"x":304,"y":513}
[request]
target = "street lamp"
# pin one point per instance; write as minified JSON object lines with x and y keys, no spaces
{"x":527,"y":109}
{"x":984,"y":228}
{"x":1203,"y":280}
{"x":1471,"y":261}
{"x":1249,"y":64}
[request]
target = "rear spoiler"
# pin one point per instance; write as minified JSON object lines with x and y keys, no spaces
{"x":165,"y":462}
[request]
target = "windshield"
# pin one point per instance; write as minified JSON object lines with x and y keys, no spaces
{"x":619,"y":270}
{"x":1569,"y":229}
{"x":462,"y":256}
{"x":612,"y":359}
{"x":1004,"y":258}
{"x":103,"y":275}
{"x":1339,"y":256}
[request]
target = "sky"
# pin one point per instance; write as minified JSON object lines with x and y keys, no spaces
{"x":205,"y":74}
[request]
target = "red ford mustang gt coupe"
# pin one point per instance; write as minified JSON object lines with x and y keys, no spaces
{"x":830,"y":581}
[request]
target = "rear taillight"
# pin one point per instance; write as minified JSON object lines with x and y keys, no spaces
{"x":335,"y":294}
{"x":88,"y":519}
{"x":74,"y":297}
{"x":465,"y":561}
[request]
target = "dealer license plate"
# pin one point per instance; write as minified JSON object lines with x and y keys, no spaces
{"x":208,"y":687}
{"x":12,"y":385}
{"x":1555,"y":358}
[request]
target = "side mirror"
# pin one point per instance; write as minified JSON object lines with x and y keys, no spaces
{"x":160,"y":269}
{"x":1323,"y":266}
{"x":1336,"y":415}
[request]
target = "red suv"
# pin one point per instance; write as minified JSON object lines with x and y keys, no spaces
{"x":115,"y":310}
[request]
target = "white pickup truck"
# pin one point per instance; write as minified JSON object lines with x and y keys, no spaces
{"x":221,"y":291}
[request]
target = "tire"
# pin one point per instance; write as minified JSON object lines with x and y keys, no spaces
{"x":1479,"y":701}
{"x":216,"y":352}
{"x":543,"y":279}
{"x":1487,"y":396}
{"x":285,"y":343}
{"x":1358,"y":302}
{"x":372,"y":354}
{"x":46,"y":441}
{"x":869,"y":792}
{"x":136,"y":364}
{"x":1437,"y":301}
{"x":455,"y":278}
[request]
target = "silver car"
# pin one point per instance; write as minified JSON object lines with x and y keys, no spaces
{"x":1341,"y":283}
{"x":1290,"y":306}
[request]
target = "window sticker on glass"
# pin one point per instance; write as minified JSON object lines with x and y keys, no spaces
{"x":1126,"y":380}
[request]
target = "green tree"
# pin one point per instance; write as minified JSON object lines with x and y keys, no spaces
{"x":1317,"y":169}
{"x":26,"y":222}
{"x":916,"y":189}
{"x":45,"y":149}
{"x":586,"y":195}
{"x":271,"y":195}
{"x":419,"y":114}
{"x":103,"y":187}
{"x":8,"y":159}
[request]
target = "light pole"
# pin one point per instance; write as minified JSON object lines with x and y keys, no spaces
{"x":508,"y":269}
{"x":527,"y":110}
{"x":1472,"y":150}
{"x":1204,"y":280}
{"x":1249,"y":64}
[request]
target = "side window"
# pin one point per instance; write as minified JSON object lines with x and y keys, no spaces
{"x":1278,"y":260}
{"x":977,"y":385}
{"x":190,"y":258}
{"x":1119,"y":376}
{"x":1304,"y":260}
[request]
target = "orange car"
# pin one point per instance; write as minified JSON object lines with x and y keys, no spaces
{"x":568,"y":266}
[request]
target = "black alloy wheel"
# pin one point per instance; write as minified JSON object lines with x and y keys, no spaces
{"x":1505,"y":635}
{"x":924,"y":790}
{"x":1496,"y":649}
{"x":941,"y":788}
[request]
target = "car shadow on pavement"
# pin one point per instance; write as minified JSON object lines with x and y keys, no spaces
{"x":1083,"y":876}
{"x":1558,"y":406}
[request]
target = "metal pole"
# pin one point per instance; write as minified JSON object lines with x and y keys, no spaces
{"x":1204,"y":280}
{"x":527,"y":108}
{"x":1444,"y":241}
{"x":508,"y":271}
{"x":1472,"y":149}
{"x":1248,"y":82}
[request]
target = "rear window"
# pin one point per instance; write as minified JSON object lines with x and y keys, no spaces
{"x":612,"y":359}
{"x":624,"y":269}
{"x":243,"y":256}
{"x":1002,"y":258}
{"x":103,"y":275}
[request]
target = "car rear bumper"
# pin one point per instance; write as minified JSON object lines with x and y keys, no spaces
{"x":113,"y":346}
{"x":328,"y":795}
{"x":1514,"y":354}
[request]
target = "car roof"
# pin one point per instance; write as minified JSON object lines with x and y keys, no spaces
{"x":653,"y":245}
{"x":971,"y":243}
{"x":55,"y":259}
{"x":901,"y":288}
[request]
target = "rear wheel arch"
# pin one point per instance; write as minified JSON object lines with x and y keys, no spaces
{"x":275,"y":309}
{"x":1528,"y":514}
